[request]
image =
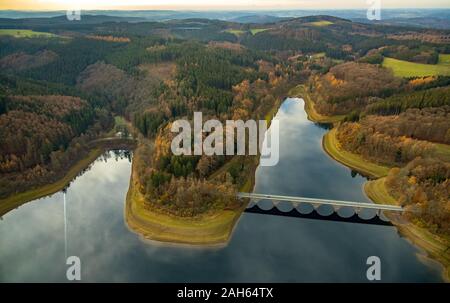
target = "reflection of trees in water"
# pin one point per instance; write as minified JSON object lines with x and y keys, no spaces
{"x":326,"y":126}
{"x":117,"y":154}
{"x":88,"y":168}
{"x":354,"y":174}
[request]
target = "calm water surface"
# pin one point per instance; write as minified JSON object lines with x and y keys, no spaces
{"x":263,"y":248}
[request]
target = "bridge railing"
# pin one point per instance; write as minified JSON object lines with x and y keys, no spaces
{"x":317,"y":202}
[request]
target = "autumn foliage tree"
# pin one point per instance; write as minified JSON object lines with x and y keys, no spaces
{"x":423,"y":186}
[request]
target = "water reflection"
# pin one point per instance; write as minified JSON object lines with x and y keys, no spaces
{"x":263,"y":248}
{"x":305,"y":170}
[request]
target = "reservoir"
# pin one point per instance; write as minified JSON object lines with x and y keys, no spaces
{"x":263,"y":248}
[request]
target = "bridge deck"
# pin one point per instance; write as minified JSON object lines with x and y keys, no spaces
{"x":295,"y":200}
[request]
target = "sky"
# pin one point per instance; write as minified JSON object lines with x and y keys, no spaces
{"x":214,"y":4}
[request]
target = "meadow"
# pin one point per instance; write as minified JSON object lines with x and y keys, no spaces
{"x":24,"y":33}
{"x":444,"y":59}
{"x":407,"y":69}
{"x":236,"y":32}
{"x":320,"y":23}
{"x":255,"y":31}
{"x":239,"y":32}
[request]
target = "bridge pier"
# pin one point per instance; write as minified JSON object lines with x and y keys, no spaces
{"x":358,"y":207}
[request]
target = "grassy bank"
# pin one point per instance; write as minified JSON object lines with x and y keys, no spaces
{"x":333,"y":148}
{"x":378,"y":193}
{"x":436,"y":247}
{"x":209,"y":229}
{"x":300,"y":92}
{"x":15,"y":201}
{"x":214,"y":228}
{"x":271,"y":113}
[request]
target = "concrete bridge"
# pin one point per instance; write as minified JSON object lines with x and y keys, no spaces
{"x":295,"y":202}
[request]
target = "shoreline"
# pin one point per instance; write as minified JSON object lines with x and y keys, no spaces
{"x":17,"y":200}
{"x":300,"y":92}
{"x":331,"y":146}
{"x":434,"y":247}
{"x":209,"y":230}
{"x":97,"y":148}
{"x":204,"y":231}
{"x":216,"y":229}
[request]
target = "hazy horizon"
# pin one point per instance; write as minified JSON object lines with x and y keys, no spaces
{"x":201,"y":5}
{"x":225,"y":9}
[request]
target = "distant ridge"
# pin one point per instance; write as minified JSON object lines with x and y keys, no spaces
{"x":258,"y":19}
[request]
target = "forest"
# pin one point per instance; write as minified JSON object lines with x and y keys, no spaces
{"x":60,"y":92}
{"x":41,"y":135}
{"x":423,"y":187}
{"x":223,"y":84}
